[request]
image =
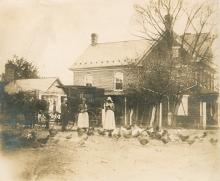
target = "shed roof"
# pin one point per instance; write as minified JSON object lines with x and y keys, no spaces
{"x":112,"y":54}
{"x":40,"y":84}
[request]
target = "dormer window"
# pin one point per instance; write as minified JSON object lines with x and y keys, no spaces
{"x":88,"y":80}
{"x":176,"y":52}
{"x":118,"y":81}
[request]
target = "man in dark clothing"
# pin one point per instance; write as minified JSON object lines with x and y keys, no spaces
{"x":47,"y":117}
{"x":64,"y":114}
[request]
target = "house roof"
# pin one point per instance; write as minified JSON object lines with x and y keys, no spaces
{"x":40,"y":84}
{"x":112,"y":54}
{"x":125,"y":52}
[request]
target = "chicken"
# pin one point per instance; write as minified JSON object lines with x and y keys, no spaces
{"x":101,"y":132}
{"x":30,"y":135}
{"x":143,"y":140}
{"x":196,"y":137}
{"x":126,"y":133}
{"x":165,"y":140}
{"x":128,"y":127}
{"x":204,"y":135}
{"x":144,"y":133}
{"x":150,"y":132}
{"x":127,"y":136}
{"x":80,"y":132}
{"x":43,"y":140}
{"x":69,"y":136}
{"x":199,"y":138}
{"x":52,"y":132}
{"x":165,"y":132}
{"x":213,"y":141}
{"x":82,"y":142}
{"x":55,"y":141}
{"x":135,"y":131}
{"x":90,"y":132}
{"x":190,"y":141}
{"x":183,"y":137}
{"x":158,"y":135}
{"x":85,"y":137}
{"x":116,"y":133}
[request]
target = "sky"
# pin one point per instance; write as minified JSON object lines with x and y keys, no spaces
{"x":53,"y":33}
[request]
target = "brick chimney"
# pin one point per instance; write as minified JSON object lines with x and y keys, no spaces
{"x":9,"y":72}
{"x":168,"y":22}
{"x":94,"y":39}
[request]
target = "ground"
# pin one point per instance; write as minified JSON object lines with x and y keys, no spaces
{"x":67,"y":158}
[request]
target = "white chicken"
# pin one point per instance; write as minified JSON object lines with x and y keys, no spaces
{"x":135,"y":131}
{"x":116,"y":133}
{"x":83,"y":140}
{"x":126,"y":133}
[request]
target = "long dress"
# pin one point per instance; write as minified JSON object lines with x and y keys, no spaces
{"x":109,"y":123}
{"x":83,"y":117}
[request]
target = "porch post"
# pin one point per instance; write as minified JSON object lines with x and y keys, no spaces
{"x":103,"y":115}
{"x":58,"y":108}
{"x":39,"y":94}
{"x":160,"y":116}
{"x":203,"y":115}
{"x":125,"y":102}
{"x":130,"y":115}
{"x":152,"y":116}
{"x":169,"y":114}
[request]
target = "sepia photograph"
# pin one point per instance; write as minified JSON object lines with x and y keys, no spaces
{"x":99,"y":90}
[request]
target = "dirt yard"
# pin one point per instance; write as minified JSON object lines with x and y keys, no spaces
{"x":67,"y":157}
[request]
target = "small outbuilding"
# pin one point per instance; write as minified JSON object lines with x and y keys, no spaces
{"x":48,"y":89}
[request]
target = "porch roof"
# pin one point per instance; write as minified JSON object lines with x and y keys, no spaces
{"x":114,"y":93}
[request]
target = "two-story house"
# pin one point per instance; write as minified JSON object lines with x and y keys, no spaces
{"x":106,"y":65}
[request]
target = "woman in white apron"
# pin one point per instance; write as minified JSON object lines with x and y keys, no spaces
{"x":109,"y":122}
{"x":83,"y":117}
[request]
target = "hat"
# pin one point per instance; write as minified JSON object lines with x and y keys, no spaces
{"x":83,"y":99}
{"x":109,"y":99}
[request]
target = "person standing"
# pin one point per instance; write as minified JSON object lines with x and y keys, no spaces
{"x":83,"y":117}
{"x":109,"y":123}
{"x":64,"y":114}
{"x":47,"y":119}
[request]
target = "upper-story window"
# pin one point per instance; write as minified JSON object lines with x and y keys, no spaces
{"x":118,"y":80}
{"x":176,"y":52}
{"x":88,"y":80}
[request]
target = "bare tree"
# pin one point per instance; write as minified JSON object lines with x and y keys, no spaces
{"x":172,"y":66}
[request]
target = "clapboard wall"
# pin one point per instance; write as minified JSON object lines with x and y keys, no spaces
{"x":103,"y":77}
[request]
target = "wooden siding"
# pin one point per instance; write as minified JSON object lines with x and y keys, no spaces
{"x":102,"y":77}
{"x":54,"y":89}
